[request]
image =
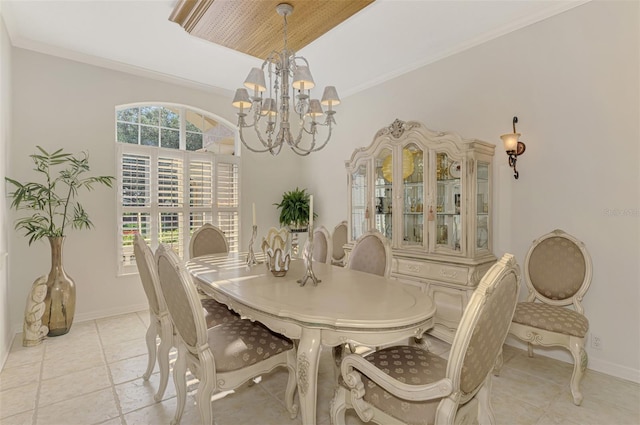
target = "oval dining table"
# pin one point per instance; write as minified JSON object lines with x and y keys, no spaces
{"x":345,"y":306}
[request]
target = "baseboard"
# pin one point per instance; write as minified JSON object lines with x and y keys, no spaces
{"x":101,"y":314}
{"x":94,"y":315}
{"x":595,"y":364}
{"x":4,"y":356}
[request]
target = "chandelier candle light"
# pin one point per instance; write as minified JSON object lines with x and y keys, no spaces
{"x":273,"y":111}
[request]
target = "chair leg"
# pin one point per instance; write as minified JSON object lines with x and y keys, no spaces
{"x":292,"y":385}
{"x":180,"y":382}
{"x":530,"y":349}
{"x":152,"y":333}
{"x":206,"y":387}
{"x":166,"y":342}
{"x":338,"y":406}
{"x":580,"y":361}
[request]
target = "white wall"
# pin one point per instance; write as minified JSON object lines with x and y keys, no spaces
{"x":573,"y":81}
{"x":65,"y":104}
{"x":6,"y":333}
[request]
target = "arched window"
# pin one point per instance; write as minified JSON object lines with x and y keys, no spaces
{"x":176,"y":171}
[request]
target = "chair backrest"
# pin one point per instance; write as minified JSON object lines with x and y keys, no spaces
{"x":181,"y":298}
{"x":558,"y":270}
{"x":483,"y":328}
{"x":206,"y":240}
{"x":371,"y":254}
{"x":321,"y":245}
{"x":338,"y":240}
{"x":276,"y":238}
{"x":148,"y":274}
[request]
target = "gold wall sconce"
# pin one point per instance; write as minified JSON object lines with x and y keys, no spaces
{"x":514,"y":147}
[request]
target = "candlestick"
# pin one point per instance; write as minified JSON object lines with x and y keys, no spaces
{"x":307,"y":256}
{"x":254,"y":213}
{"x":251,"y":256}
{"x":310,"y":211}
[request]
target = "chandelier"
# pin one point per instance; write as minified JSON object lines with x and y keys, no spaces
{"x":270,"y":115}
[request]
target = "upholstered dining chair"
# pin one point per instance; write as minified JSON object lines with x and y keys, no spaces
{"x":223,"y":357}
{"x":371,"y":253}
{"x":208,"y":239}
{"x":407,"y":385}
{"x":338,"y":241}
{"x":321,"y":245}
{"x":557,"y":271}
{"x":160,"y":324}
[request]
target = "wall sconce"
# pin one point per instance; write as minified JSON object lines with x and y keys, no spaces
{"x":513,"y":146}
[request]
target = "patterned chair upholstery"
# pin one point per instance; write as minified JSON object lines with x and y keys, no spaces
{"x":223,"y":357}
{"x":160,"y":324}
{"x":371,"y":254}
{"x":407,"y":385}
{"x":206,"y":240}
{"x":338,"y":240}
{"x":321,"y":245}
{"x":558,"y":272}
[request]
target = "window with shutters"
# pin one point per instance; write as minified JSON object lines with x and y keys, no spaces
{"x":170,"y":183}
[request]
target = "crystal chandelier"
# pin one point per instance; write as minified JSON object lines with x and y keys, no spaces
{"x":271,"y":114}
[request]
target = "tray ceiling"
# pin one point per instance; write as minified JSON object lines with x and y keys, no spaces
{"x":255,"y":28}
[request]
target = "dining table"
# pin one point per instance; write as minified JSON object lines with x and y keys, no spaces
{"x":346,"y":306}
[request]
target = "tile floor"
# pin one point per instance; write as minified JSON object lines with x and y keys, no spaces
{"x":92,"y":376}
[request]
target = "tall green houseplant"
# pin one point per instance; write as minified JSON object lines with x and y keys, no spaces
{"x":54,"y":208}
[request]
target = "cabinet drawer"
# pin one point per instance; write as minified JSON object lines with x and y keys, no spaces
{"x":432,"y":271}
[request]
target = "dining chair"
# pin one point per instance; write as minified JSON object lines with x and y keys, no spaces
{"x":321,"y":245}
{"x":371,"y":253}
{"x":208,"y":239}
{"x":338,"y":241}
{"x":558,"y":272}
{"x":160,"y":324}
{"x":159,"y":321}
{"x":223,"y":357}
{"x":408,"y":385}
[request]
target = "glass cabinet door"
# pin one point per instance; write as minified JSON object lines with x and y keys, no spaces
{"x":383,"y":192}
{"x":359,"y":208}
{"x":482,"y":206}
{"x":413,"y":196}
{"x":448,"y":202}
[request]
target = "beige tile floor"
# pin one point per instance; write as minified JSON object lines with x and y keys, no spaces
{"x":92,"y":376}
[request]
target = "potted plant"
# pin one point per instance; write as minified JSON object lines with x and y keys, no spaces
{"x":294,"y":209}
{"x":54,"y":209}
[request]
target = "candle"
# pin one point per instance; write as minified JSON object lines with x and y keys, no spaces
{"x":311,"y":212}
{"x":254,"y":213}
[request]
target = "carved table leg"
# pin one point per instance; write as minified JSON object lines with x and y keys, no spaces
{"x":308,"y":359}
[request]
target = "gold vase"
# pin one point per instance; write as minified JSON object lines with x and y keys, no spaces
{"x":60,"y":303}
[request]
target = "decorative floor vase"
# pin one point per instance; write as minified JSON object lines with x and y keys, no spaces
{"x":60,"y":303}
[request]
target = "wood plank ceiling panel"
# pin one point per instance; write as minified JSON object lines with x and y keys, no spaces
{"x":255,"y":28}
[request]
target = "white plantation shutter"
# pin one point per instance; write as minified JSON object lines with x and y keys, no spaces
{"x":200,"y":191}
{"x":228,"y":199}
{"x":165,"y":194}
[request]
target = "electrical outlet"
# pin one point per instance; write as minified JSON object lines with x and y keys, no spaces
{"x":596,"y":342}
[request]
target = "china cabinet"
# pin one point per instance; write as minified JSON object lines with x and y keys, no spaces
{"x":430,"y":194}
